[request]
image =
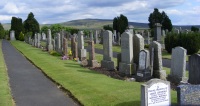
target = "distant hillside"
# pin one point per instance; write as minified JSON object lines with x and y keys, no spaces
{"x":99,"y":23}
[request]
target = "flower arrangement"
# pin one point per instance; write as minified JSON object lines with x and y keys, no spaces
{"x":70,"y":53}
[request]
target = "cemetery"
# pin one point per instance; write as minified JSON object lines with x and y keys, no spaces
{"x":102,"y":67}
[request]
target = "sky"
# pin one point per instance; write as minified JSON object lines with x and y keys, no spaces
{"x":181,"y":12}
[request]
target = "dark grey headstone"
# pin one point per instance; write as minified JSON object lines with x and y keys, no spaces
{"x":188,"y":95}
{"x":194,"y":69}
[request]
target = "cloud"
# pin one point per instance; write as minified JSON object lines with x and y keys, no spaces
{"x":5,"y":18}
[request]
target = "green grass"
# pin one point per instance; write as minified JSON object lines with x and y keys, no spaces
{"x":89,"y":87}
{"x":5,"y":95}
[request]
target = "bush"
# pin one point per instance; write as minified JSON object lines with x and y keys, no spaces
{"x":189,"y":41}
{"x":21,"y":36}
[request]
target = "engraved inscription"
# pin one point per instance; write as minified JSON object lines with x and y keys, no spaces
{"x":142,"y":60}
{"x":158,"y":94}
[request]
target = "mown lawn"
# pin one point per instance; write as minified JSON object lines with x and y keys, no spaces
{"x":89,"y":87}
{"x":5,"y":95}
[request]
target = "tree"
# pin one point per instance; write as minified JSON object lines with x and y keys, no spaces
{"x":194,"y":29}
{"x":31,"y":24}
{"x":107,"y":27}
{"x":21,"y":36}
{"x":162,"y":18}
{"x":2,"y":31}
{"x":120,"y":24}
{"x":17,"y":26}
{"x":55,"y":28}
{"x":44,"y":29}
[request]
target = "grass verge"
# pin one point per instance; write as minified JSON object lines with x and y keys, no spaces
{"x":89,"y":87}
{"x":5,"y":95}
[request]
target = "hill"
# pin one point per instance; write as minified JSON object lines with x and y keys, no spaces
{"x":99,"y":23}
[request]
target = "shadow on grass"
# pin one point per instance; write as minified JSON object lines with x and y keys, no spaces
{"x":89,"y":71}
{"x":130,"y":103}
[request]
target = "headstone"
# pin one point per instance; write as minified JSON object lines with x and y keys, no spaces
{"x":178,"y":64}
{"x":72,"y":43}
{"x":143,"y":72}
{"x":43,"y":36}
{"x":35,"y":40}
{"x":58,"y":43}
{"x":107,"y":51}
{"x":38,"y":40}
{"x":115,"y":35}
{"x":75,"y":50}
{"x":82,"y":53}
{"x":53,"y":44}
{"x":65,"y":47}
{"x":188,"y":95}
{"x":157,"y":60}
{"x":12,"y":35}
{"x":157,"y":32}
{"x":155,"y":92}
{"x":50,"y":46}
{"x":91,"y":36}
{"x":138,"y":45}
{"x":177,"y":31}
{"x":96,"y":41}
{"x":119,"y":38}
{"x":194,"y":69}
{"x":163,"y":33}
{"x":126,"y":64}
{"x":92,"y":62}
{"x":148,"y":37}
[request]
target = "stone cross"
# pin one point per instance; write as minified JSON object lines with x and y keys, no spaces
{"x":178,"y":63}
{"x":107,"y":51}
{"x":126,"y":64}
{"x":82,"y":53}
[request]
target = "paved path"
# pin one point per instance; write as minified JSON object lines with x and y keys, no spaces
{"x":166,"y":62}
{"x":28,"y":85}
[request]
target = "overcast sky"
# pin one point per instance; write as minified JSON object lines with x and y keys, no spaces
{"x":181,"y":12}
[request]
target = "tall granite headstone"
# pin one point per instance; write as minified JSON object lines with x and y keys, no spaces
{"x":155,"y":92}
{"x":178,"y":63}
{"x":194,"y":69}
{"x":82,"y":53}
{"x":157,"y":60}
{"x":126,"y":64}
{"x":38,"y":40}
{"x":138,"y":45}
{"x":96,"y":41}
{"x":107,"y":51}
{"x":157,"y":32}
{"x":92,"y":62}
{"x":50,"y":46}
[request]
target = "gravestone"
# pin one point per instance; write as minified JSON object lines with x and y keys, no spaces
{"x":119,"y":38}
{"x":38,"y":40}
{"x":148,"y":37}
{"x":82,"y":53}
{"x":177,"y":31}
{"x":35,"y":40}
{"x":12,"y":35}
{"x":126,"y":64}
{"x":58,"y":43}
{"x":138,"y":45}
{"x":53,"y":44}
{"x":157,"y":32}
{"x":115,"y":35}
{"x":188,"y":95}
{"x":96,"y":41}
{"x":43,"y":36}
{"x":143,"y":72}
{"x":72,"y":44}
{"x":91,"y":36}
{"x":101,"y":36}
{"x":157,"y":60}
{"x":178,"y":64}
{"x":155,"y":92}
{"x":194,"y":69}
{"x":107,"y":51}
{"x":65,"y":47}
{"x":92,"y":62}
{"x":119,"y":58}
{"x":50,"y":46}
{"x":75,"y":50}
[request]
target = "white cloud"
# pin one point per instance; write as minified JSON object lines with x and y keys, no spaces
{"x":11,"y":8}
{"x":5,"y":18}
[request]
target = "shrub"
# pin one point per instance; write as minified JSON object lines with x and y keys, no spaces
{"x":21,"y":36}
{"x":189,"y":41}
